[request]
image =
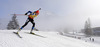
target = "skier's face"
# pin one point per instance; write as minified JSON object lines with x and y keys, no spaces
{"x":37,"y":13}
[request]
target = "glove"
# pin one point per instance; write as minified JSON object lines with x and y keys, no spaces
{"x":39,"y":8}
{"x":25,"y":13}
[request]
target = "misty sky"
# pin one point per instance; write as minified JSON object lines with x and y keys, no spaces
{"x":72,"y":13}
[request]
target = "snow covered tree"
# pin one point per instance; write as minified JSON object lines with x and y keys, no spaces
{"x":13,"y":24}
{"x":87,"y":29}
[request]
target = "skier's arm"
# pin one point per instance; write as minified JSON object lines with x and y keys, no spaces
{"x":28,"y":12}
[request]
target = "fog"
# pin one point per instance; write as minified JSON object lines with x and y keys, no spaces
{"x":55,"y":14}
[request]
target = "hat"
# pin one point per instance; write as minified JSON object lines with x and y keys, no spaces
{"x":37,"y":11}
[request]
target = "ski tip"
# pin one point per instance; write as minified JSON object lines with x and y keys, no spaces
{"x":13,"y":32}
{"x":20,"y":37}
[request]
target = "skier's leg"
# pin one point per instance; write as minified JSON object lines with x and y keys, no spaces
{"x":32,"y":26}
{"x":24,"y":25}
{"x":27,"y":21}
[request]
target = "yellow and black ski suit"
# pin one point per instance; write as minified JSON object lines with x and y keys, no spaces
{"x":30,"y":18}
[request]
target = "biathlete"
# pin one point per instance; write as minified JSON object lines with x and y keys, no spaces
{"x":30,"y":18}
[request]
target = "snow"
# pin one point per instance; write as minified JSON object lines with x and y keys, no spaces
{"x":52,"y":39}
{"x":90,"y":39}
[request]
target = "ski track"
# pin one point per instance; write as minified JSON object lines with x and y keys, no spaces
{"x":9,"y":39}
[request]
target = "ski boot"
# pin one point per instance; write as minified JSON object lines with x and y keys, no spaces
{"x":31,"y":31}
{"x":18,"y":31}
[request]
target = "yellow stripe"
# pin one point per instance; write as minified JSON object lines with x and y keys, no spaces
{"x":32,"y":16}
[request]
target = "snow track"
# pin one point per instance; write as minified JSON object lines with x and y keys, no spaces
{"x":8,"y":39}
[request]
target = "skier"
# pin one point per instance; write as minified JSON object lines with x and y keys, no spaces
{"x":30,"y":18}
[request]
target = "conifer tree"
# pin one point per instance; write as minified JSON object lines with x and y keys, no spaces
{"x":13,"y":24}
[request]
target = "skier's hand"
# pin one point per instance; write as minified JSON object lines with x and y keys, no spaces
{"x":39,"y":8}
{"x":25,"y":13}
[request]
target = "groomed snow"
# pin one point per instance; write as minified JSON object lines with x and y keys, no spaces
{"x":52,"y":39}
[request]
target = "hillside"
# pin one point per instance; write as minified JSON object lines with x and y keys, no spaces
{"x":50,"y":39}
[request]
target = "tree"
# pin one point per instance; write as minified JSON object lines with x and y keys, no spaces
{"x":87,"y":29}
{"x":13,"y":24}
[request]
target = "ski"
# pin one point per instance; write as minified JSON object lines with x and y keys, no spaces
{"x":36,"y":35}
{"x":17,"y":34}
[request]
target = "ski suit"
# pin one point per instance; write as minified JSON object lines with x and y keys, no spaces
{"x":30,"y":18}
